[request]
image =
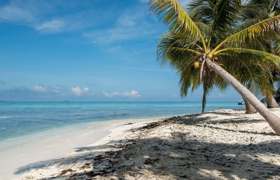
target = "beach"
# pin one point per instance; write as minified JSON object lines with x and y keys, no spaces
{"x":140,"y":90}
{"x":222,"y":144}
{"x":31,"y":132}
{"x":52,"y":144}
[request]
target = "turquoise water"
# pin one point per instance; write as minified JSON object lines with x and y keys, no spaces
{"x":22,"y":118}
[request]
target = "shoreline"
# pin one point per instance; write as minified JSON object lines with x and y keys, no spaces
{"x":221,"y":144}
{"x":81,"y":124}
{"x":55,"y":143}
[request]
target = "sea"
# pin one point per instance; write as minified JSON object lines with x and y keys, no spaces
{"x":24,"y":118}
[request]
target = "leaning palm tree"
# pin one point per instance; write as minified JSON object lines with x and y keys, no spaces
{"x":216,"y":19}
{"x":254,"y":75}
{"x":219,"y":18}
{"x":207,"y":14}
{"x":233,"y":45}
{"x":252,"y":12}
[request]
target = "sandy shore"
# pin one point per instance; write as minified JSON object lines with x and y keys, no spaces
{"x":32,"y":150}
{"x":224,"y":144}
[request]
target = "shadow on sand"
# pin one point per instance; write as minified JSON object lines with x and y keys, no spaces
{"x":180,"y":157}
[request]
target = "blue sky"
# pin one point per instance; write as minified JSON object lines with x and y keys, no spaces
{"x":85,"y":50}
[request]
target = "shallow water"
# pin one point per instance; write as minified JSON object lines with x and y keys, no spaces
{"x":22,"y":118}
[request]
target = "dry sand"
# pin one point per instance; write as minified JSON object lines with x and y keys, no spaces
{"x":224,"y":144}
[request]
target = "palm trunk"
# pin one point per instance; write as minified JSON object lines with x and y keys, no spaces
{"x":248,"y":107}
{"x":204,"y":96}
{"x":271,"y":118}
{"x":271,"y":102}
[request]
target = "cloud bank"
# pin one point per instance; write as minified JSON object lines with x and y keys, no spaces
{"x":130,"y":94}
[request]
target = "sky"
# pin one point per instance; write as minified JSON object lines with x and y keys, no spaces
{"x":85,"y":50}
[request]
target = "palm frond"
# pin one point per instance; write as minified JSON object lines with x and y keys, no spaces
{"x":255,"y":75}
{"x":262,"y":55}
{"x":219,"y":15}
{"x":202,"y":10}
{"x":177,"y":18}
{"x":226,"y":12}
{"x":250,"y":33}
{"x":189,"y":78}
{"x":177,"y":46}
{"x":277,"y":47}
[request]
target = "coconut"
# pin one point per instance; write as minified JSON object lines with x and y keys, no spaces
{"x":196,"y":64}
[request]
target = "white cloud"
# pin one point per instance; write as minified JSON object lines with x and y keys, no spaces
{"x":39,"y":88}
{"x":79,"y":91}
{"x":11,"y":12}
{"x":39,"y":15}
{"x":46,"y":16}
{"x":54,"y":25}
{"x":47,"y":89}
{"x":132,"y":94}
{"x":131,"y":25}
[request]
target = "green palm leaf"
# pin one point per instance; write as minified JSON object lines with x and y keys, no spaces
{"x":250,"y":33}
{"x":218,"y":15}
{"x":260,"y":55}
{"x":226,"y":12}
{"x":177,"y":18}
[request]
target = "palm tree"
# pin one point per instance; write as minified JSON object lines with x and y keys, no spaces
{"x":256,"y":10}
{"x":253,"y":12}
{"x":219,"y":18}
{"x":232,"y":46}
{"x":207,"y":14}
{"x":188,"y":70}
{"x":255,"y":75}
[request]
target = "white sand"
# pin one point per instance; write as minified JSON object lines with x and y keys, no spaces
{"x":225,"y":144}
{"x":52,"y":144}
{"x":222,"y":145}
